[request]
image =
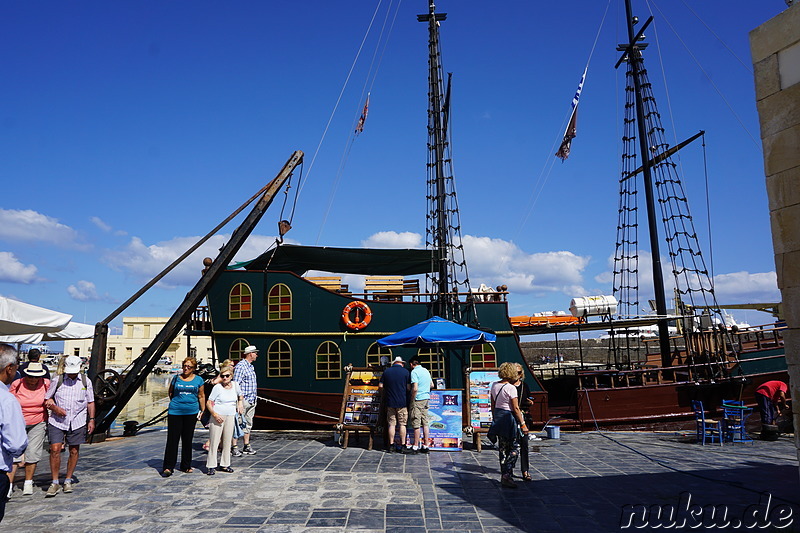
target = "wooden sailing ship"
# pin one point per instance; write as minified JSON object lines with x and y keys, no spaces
{"x":309,"y":330}
{"x":653,"y":383}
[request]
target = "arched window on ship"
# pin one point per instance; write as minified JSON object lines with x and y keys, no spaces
{"x":483,"y":356}
{"x":237,"y":349}
{"x":374,"y":353}
{"x":329,"y":361}
{"x":279,"y":359}
{"x":279,"y":302}
{"x":433,"y":360}
{"x":240,"y":302}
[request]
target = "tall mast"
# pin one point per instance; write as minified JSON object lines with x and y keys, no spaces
{"x":449,"y":274}
{"x":633,"y":50}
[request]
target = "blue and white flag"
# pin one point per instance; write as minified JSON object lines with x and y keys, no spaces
{"x":572,"y":127}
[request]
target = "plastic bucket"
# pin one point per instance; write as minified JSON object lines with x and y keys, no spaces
{"x":553,"y":432}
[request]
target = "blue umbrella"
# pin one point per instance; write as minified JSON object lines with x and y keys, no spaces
{"x":437,"y":331}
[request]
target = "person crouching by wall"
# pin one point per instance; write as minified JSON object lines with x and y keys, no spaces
{"x":223,"y":403}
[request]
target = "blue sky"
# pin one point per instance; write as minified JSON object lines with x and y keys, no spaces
{"x":130,"y":129}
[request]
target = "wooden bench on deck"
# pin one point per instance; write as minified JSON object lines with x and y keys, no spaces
{"x":332,"y":283}
{"x":384,"y":288}
{"x":391,"y":288}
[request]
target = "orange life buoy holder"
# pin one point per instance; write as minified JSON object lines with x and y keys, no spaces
{"x":363,"y":315}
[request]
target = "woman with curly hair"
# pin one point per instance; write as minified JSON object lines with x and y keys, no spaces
{"x":507,"y":421}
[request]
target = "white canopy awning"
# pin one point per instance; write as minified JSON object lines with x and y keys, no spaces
{"x":73,"y":330}
{"x":18,"y":318}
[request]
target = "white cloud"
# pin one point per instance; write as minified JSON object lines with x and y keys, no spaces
{"x":146,"y":261}
{"x":13,"y":271}
{"x":744,"y":287}
{"x":499,"y":262}
{"x":97,"y":221}
{"x":733,"y":288}
{"x":392,"y":239}
{"x":84,"y":291}
{"x":31,"y":226}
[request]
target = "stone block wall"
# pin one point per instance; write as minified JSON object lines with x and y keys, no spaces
{"x":775,"y":47}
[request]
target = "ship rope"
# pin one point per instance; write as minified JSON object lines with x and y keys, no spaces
{"x":267,"y":400}
{"x":549,"y":160}
{"x":693,"y":285}
{"x":341,"y":94}
{"x":736,"y":116}
{"x":360,"y":116}
{"x":449,"y":275}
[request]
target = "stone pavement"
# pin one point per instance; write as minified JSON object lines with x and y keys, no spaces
{"x":305,"y":482}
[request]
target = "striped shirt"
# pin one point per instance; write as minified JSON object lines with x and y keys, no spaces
{"x":245,"y":375}
{"x":74,"y":398}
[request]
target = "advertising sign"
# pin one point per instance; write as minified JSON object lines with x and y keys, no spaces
{"x":445,"y":413}
{"x":480,"y":407}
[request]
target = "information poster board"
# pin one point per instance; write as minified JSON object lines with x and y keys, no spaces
{"x":362,"y":400}
{"x":446,"y":416}
{"x":480,"y":406}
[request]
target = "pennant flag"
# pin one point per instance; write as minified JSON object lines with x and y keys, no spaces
{"x":572,"y":127}
{"x":363,"y":118}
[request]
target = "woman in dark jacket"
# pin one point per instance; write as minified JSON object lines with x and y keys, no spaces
{"x":524,"y":399}
{"x":507,"y":421}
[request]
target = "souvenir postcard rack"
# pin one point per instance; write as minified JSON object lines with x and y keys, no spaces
{"x":361,"y":404}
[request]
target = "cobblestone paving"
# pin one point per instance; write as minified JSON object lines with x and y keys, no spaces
{"x":306,"y":483}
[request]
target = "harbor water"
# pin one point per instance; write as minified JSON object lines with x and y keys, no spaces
{"x":147,"y":403}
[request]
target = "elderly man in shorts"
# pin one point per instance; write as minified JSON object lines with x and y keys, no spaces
{"x":420,"y":395}
{"x":395,"y":383}
{"x":245,"y":375}
{"x":70,"y":399}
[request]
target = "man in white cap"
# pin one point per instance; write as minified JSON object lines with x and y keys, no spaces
{"x":70,"y":399}
{"x":245,"y":375}
{"x":395,"y":383}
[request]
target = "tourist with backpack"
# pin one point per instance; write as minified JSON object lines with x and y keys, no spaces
{"x":70,"y":400}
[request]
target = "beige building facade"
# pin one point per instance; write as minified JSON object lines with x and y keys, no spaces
{"x":137,"y":334}
{"x":775,"y":47}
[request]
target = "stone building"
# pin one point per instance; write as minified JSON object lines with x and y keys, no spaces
{"x":775,"y":47}
{"x":137,"y":333}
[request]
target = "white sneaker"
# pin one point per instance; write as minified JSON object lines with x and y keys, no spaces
{"x":27,"y":489}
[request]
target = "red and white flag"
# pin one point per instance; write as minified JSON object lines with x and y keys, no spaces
{"x":363,"y":118}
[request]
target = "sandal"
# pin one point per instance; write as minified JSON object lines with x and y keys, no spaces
{"x":526,"y":477}
{"x":166,"y":472}
{"x":187,"y":470}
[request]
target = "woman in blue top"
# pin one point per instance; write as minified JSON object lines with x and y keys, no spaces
{"x":187,"y":402}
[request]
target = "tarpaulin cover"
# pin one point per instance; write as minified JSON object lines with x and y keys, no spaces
{"x":367,"y":261}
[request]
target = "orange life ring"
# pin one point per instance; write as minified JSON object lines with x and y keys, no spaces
{"x":357,"y":324}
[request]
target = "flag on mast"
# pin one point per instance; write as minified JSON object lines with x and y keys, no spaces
{"x":572,"y":127}
{"x":363,"y":118}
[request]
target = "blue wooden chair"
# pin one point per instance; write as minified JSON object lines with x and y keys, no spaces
{"x":734,"y":421}
{"x":707,"y":429}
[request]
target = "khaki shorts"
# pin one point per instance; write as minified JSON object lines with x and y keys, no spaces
{"x":419,"y":414}
{"x":397,"y":415}
{"x":249,"y":413}
{"x":33,"y":453}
